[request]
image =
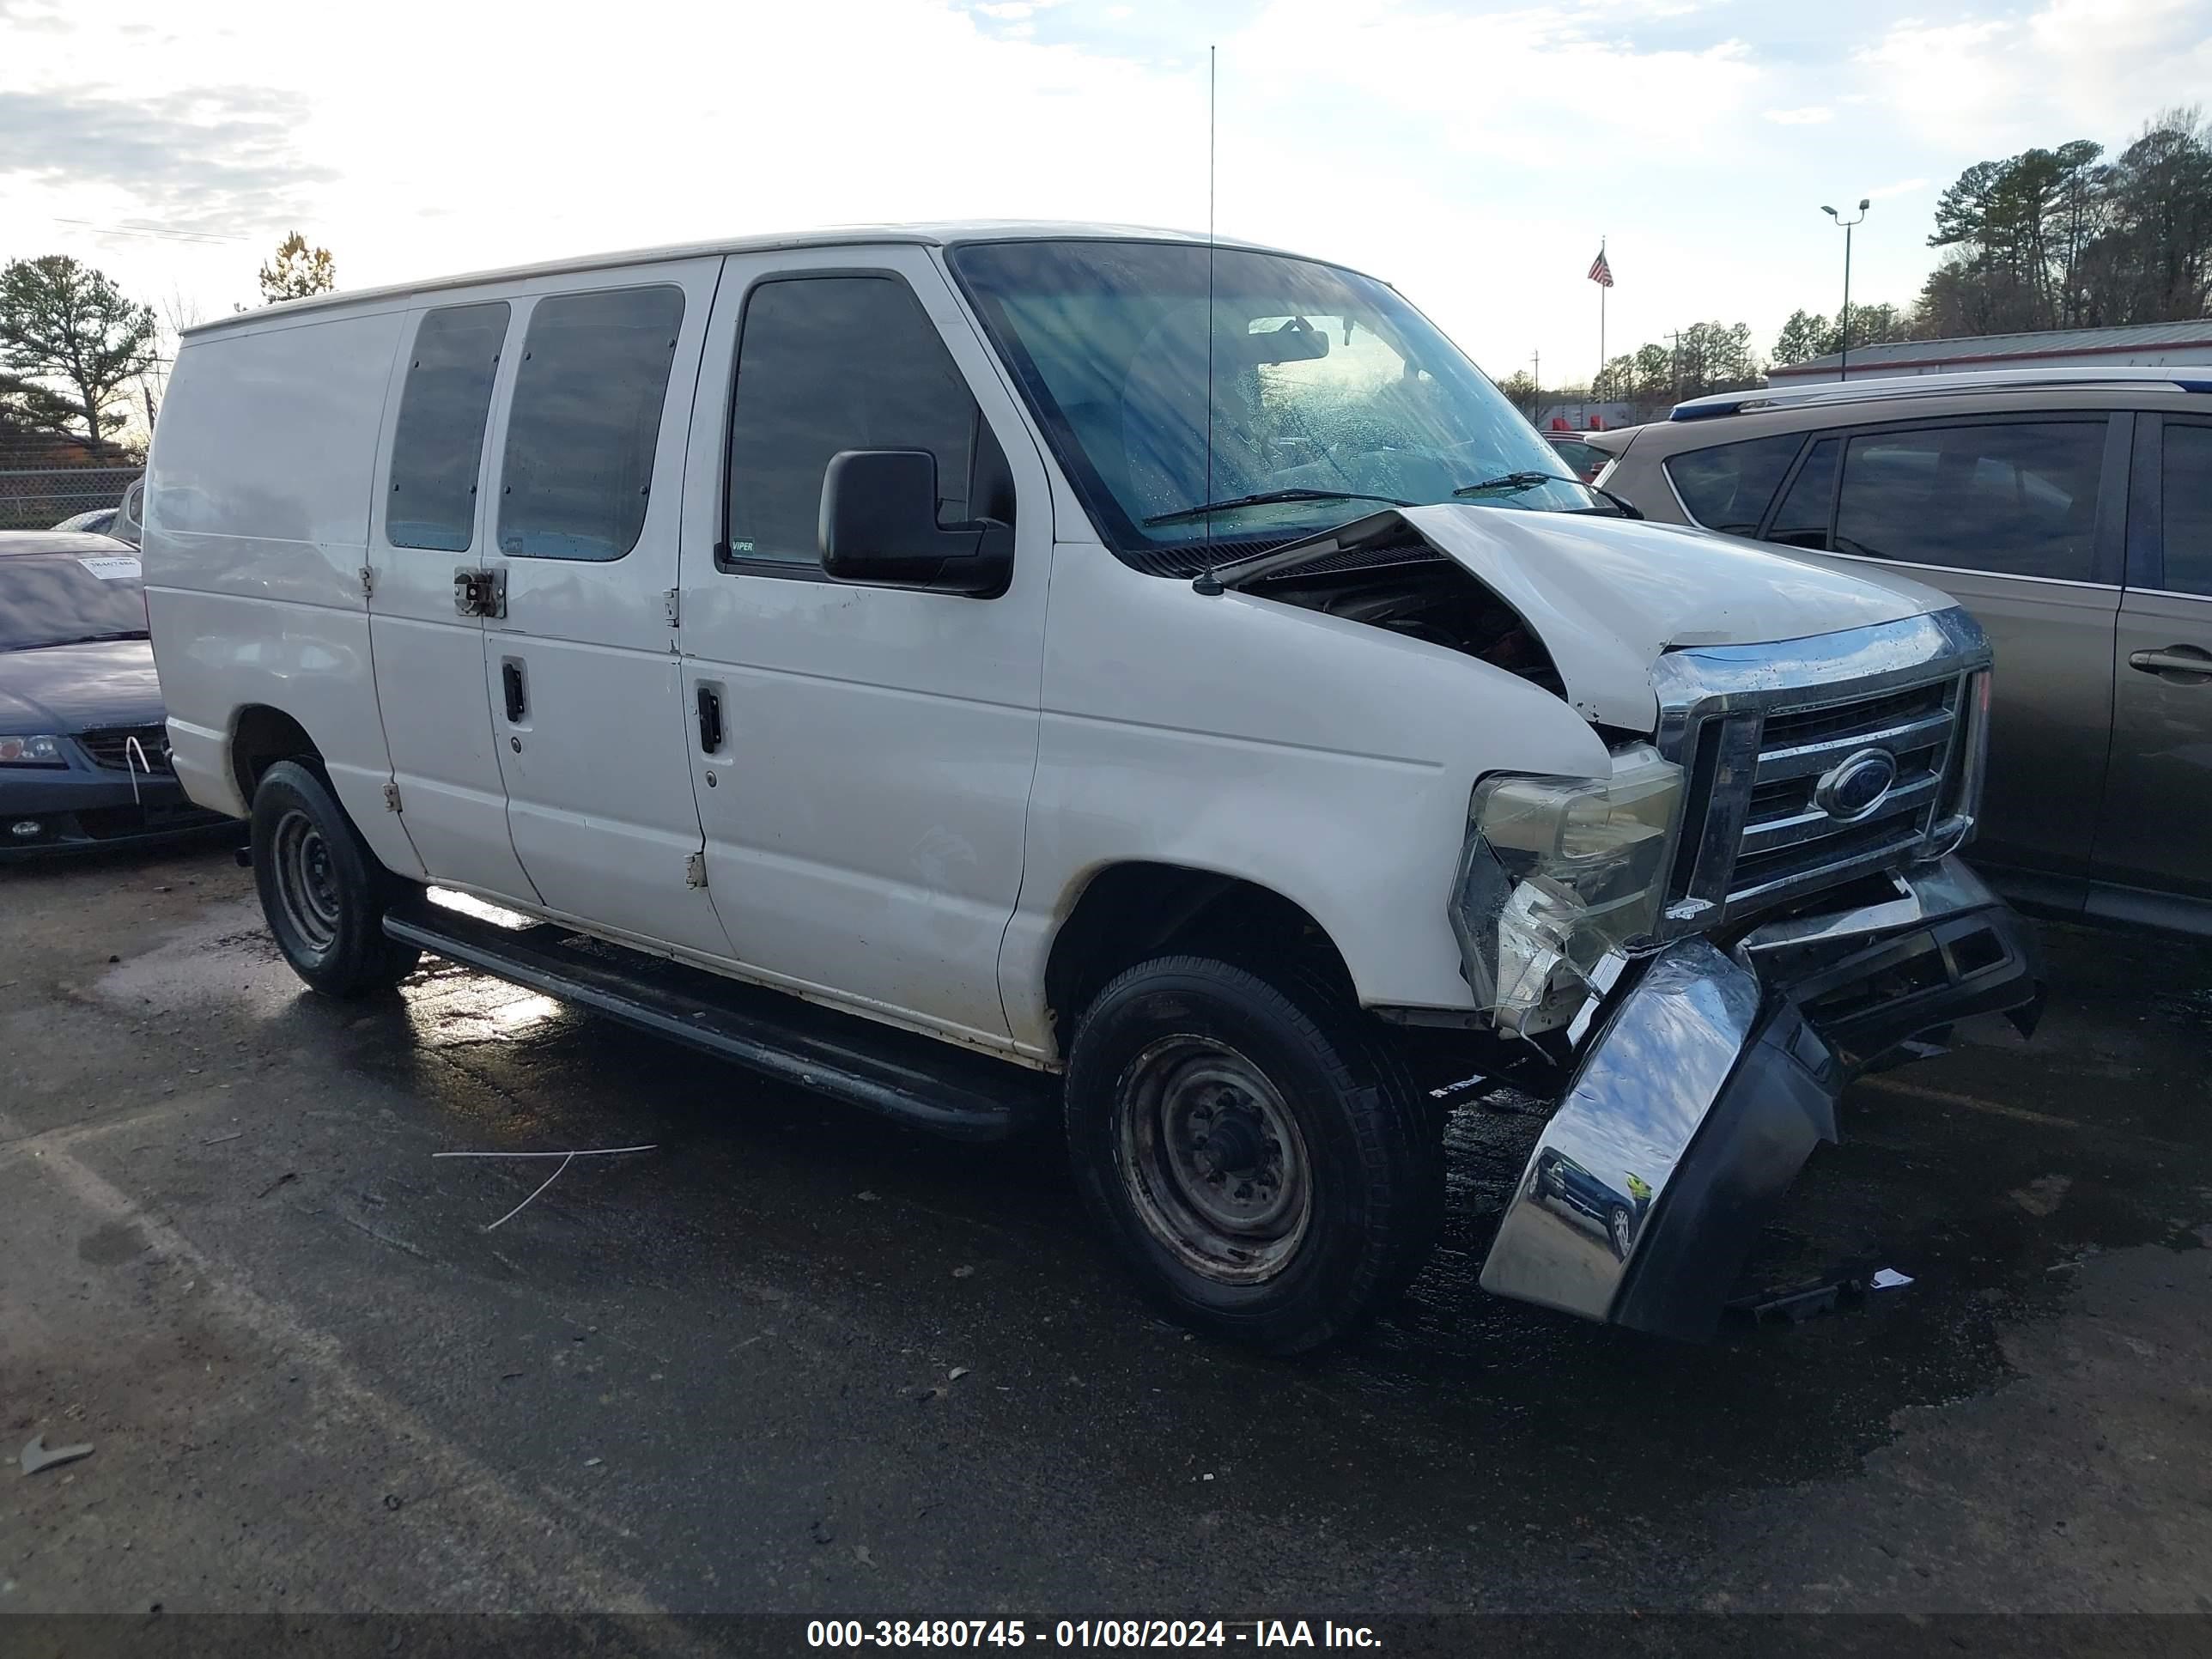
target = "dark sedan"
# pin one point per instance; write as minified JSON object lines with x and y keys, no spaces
{"x":84,"y":760}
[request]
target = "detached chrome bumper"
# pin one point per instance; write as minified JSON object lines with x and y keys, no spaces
{"x":1709,"y":1080}
{"x":1943,"y":947}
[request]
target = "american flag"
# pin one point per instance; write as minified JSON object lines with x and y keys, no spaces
{"x":1599,"y":272}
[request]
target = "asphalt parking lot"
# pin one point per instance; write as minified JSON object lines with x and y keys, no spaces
{"x":796,"y":1360}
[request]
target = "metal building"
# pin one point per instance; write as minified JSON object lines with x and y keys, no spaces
{"x":2153,"y":345}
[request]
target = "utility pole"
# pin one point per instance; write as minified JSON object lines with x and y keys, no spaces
{"x":1536,"y":399}
{"x":1674,"y":361}
{"x":1844,"y":323}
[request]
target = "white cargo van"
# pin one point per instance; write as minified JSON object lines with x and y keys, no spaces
{"x":999,"y":672}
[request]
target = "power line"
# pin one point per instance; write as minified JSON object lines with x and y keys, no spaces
{"x":159,"y":235}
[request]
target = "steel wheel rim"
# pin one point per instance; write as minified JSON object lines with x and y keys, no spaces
{"x":307,"y":887}
{"x":1212,"y":1159}
{"x":1624,"y":1232}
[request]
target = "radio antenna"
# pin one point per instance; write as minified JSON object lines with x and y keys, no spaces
{"x":1209,"y":306}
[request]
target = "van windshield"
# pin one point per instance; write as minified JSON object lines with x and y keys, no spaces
{"x":1327,"y":391}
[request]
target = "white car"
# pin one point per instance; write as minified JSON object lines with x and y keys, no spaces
{"x":98,"y":522}
{"x":119,"y":522}
{"x":943,"y":666}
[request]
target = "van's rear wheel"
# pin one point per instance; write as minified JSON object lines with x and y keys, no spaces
{"x":1262,"y":1162}
{"x":322,"y":889}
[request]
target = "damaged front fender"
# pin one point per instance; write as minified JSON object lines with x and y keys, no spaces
{"x":1709,"y":1078}
{"x":1698,"y":1100}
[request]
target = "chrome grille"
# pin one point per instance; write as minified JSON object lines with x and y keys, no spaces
{"x":1789,"y":843}
{"x":1756,"y":730}
{"x":111,"y":748}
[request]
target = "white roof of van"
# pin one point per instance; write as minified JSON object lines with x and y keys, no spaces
{"x":933,"y":234}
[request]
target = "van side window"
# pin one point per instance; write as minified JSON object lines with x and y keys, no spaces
{"x":585,"y":423}
{"x":2013,"y":498}
{"x":1801,"y":520}
{"x":437,"y":448}
{"x":830,"y":363}
{"x":2186,"y":506}
{"x":1728,"y":486}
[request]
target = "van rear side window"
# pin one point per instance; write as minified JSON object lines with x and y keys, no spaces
{"x":585,"y":423}
{"x":437,"y":449}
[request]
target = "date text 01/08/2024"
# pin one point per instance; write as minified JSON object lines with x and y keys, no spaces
{"x":1086,"y":1633}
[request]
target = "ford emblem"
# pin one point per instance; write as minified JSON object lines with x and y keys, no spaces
{"x":1856,"y":785}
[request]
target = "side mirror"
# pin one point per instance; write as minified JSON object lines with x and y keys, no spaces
{"x":879,"y":525}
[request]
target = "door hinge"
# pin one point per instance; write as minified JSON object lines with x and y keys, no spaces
{"x":671,"y":605}
{"x":368,"y":582}
{"x":392,"y":798}
{"x":695,"y":869}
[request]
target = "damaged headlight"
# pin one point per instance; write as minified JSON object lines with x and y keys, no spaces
{"x":1557,"y":873}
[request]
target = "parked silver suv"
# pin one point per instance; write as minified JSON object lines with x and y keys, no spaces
{"x":2071,"y":512}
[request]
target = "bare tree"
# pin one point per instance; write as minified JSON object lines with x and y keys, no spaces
{"x":179,"y":312}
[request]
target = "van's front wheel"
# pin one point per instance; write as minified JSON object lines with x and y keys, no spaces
{"x":1261,"y":1159}
{"x":322,"y":890}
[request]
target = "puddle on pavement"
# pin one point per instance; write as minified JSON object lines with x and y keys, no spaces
{"x":224,"y":954}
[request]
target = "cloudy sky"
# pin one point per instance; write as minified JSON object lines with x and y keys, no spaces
{"x":1472,"y":153}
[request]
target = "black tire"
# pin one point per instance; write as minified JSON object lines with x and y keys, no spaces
{"x":1184,"y":1065}
{"x":322,"y":890}
{"x":1621,"y":1230}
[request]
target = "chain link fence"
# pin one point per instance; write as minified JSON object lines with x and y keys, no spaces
{"x":40,"y":497}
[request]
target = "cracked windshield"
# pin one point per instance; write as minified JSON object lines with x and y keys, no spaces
{"x":1332,"y":397}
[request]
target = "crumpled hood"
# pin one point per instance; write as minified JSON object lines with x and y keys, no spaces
{"x":77,"y":688}
{"x":1608,"y":596}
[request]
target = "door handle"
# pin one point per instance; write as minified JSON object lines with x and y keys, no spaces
{"x":2174,"y":659}
{"x":510,"y":680}
{"x":710,"y":720}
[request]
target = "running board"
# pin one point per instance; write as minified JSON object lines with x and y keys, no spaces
{"x":862,"y":1063}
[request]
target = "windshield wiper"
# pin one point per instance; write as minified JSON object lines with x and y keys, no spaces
{"x":107,"y":639}
{"x":1267,"y":497}
{"x":1516,"y":481}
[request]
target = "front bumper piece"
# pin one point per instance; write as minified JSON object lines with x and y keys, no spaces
{"x":1711,"y":1075}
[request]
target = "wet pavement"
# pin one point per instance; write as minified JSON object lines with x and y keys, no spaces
{"x":796,"y":1359}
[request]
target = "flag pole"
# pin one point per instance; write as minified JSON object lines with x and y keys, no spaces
{"x":1601,"y":287}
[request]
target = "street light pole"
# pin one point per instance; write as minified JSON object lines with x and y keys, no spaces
{"x":1843,"y":322}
